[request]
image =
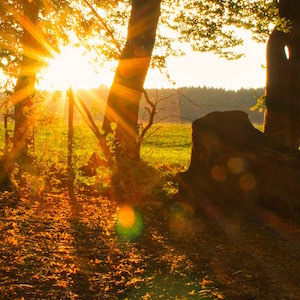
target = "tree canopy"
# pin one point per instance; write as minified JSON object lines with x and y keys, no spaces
{"x":100,"y":26}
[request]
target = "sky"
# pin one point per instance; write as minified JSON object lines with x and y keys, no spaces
{"x":194,"y":69}
{"x":207,"y":69}
{"x":73,"y":67}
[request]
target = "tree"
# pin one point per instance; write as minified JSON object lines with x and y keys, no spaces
{"x":205,"y":25}
{"x":24,"y":90}
{"x":28,"y":37}
{"x":125,"y":93}
{"x":23,"y":47}
{"x":283,"y":77}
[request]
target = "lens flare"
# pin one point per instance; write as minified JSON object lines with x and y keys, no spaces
{"x":130,"y":224}
{"x":236,"y":165}
{"x":219,"y":173}
{"x":248,"y":182}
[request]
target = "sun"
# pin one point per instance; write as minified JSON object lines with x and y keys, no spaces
{"x":71,"y":67}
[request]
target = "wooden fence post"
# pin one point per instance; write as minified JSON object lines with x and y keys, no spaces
{"x":71,"y":176}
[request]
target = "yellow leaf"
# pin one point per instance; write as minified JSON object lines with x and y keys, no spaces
{"x":192,"y":293}
{"x":109,"y":259}
{"x":205,"y":282}
{"x":220,"y":296}
{"x":12,"y":241}
{"x":106,"y":288}
{"x":62,"y":284}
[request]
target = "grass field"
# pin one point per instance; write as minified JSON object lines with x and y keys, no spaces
{"x":170,"y":144}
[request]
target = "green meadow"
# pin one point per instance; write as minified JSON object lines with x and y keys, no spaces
{"x":169,"y":145}
{"x":166,"y":144}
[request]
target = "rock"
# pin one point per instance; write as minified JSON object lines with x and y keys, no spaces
{"x":233,"y":165}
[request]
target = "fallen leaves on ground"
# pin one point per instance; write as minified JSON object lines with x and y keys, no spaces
{"x":52,"y":248}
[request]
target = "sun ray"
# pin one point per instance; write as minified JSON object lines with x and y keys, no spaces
{"x":70,"y":67}
{"x":30,"y":70}
{"x":101,"y":103}
{"x":31,"y":28}
{"x":32,"y":53}
{"x":21,"y":94}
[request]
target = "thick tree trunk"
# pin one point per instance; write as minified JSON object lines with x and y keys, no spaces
{"x":24,"y":90}
{"x":277,"y":118}
{"x":282,"y":123}
{"x":125,"y":94}
{"x":294,"y":74}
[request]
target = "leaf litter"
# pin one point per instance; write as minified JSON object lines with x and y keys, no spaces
{"x":51,"y":248}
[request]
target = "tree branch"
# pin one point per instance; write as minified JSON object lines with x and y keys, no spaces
{"x":189,"y":99}
{"x":104,"y":24}
{"x":95,"y":129}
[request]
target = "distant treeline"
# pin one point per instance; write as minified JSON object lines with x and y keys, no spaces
{"x":188,"y":104}
{"x":176,"y":106}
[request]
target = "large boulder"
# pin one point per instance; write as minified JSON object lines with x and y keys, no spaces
{"x":233,"y":165}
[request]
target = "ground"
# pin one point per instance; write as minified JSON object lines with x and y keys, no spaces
{"x":53,"y":248}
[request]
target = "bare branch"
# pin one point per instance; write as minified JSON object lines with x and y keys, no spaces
{"x":104,"y":24}
{"x":95,"y":129}
{"x":173,"y":116}
{"x":85,"y":118}
{"x":189,"y":100}
{"x":152,"y":112}
{"x":147,"y":98}
{"x":169,"y":96}
{"x":151,"y":133}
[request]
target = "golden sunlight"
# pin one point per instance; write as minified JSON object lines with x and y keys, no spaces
{"x":72,"y":67}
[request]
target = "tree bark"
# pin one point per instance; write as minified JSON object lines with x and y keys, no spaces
{"x":282,"y":120}
{"x":125,"y":93}
{"x":24,"y":90}
{"x":294,"y":74}
{"x":277,"y":117}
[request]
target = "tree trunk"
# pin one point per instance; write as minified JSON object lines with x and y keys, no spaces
{"x":24,"y":90}
{"x":277,"y":126}
{"x":125,"y":94}
{"x":294,"y":76}
{"x":282,"y":123}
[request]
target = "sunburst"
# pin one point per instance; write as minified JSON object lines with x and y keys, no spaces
{"x":71,"y":67}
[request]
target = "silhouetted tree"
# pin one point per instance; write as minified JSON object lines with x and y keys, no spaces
{"x":282,"y":123}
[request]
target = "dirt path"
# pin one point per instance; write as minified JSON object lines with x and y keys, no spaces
{"x":53,"y":249}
